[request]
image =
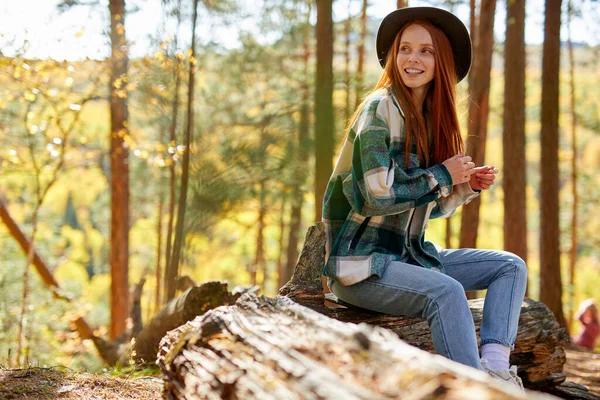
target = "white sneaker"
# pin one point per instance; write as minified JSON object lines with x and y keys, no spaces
{"x":507,"y":375}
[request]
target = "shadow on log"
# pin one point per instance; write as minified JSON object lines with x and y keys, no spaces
{"x":538,"y":351}
{"x":265,"y":348}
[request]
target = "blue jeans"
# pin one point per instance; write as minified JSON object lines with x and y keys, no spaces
{"x":410,"y":290}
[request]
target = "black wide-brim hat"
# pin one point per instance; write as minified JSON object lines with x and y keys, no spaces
{"x":453,"y":27}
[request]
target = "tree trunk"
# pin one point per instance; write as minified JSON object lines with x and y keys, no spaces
{"x":157,"y":272}
{"x":265,"y":348}
{"x":280,"y":262}
{"x":538,"y":352}
{"x":550,"y":279}
{"x":193,"y":302}
{"x":448,"y":233}
{"x":360,"y":67}
{"x":402,"y":3}
{"x":574,"y":155}
{"x":513,"y":138}
{"x":21,"y":326}
{"x":347,"y":82}
{"x":323,"y":103}
{"x":119,"y":172}
{"x":303,"y":146}
{"x":170,"y":275}
{"x":185,"y":165}
{"x":478,"y":113}
{"x":105,"y":349}
{"x":259,"y":260}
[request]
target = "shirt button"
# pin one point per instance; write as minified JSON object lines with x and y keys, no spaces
{"x":445,"y":191}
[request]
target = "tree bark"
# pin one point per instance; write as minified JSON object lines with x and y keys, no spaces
{"x":550,"y":279}
{"x":360,"y":67}
{"x":193,"y":302}
{"x":324,"y":124}
{"x":402,"y":3}
{"x":169,"y":284}
{"x":119,"y":172}
{"x":265,"y":348}
{"x":574,"y":172}
{"x":185,"y":165}
{"x":478,"y":113}
{"x":513,"y":138}
{"x":282,"y":249}
{"x":259,"y":260}
{"x":302,"y":154}
{"x":347,"y":82}
{"x":538,"y":349}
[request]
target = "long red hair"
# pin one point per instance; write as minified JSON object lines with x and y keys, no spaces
{"x":440,"y":101}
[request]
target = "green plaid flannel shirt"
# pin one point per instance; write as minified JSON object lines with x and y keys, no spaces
{"x":376,"y":211}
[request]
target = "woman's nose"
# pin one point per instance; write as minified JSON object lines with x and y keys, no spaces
{"x":414,"y":57}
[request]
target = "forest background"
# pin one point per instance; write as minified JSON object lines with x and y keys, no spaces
{"x":245,"y":97}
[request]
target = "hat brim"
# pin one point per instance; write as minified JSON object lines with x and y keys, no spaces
{"x":453,"y":27}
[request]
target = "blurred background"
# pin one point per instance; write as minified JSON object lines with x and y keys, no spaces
{"x":159,"y":139}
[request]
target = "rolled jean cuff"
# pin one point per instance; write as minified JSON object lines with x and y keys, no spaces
{"x":486,"y":341}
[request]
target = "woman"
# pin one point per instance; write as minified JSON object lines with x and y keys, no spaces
{"x":588,"y":316}
{"x":402,"y":163}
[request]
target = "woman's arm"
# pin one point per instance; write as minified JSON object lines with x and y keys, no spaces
{"x":377,"y":185}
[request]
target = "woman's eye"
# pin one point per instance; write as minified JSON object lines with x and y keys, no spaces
{"x":404,"y":48}
{"x":427,"y":51}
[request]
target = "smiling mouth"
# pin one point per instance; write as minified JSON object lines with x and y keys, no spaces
{"x":412,"y":71}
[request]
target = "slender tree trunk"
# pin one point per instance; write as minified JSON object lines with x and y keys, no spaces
{"x":574,"y":156}
{"x":473,"y":31}
{"x":179,"y":233}
{"x":303,"y":144}
{"x":324,"y":124}
{"x":360,"y":73}
{"x":169,"y":275}
{"x":347,"y":83}
{"x":550,"y":279}
{"x":478,"y":113}
{"x":85,"y":331}
{"x":22,"y":325}
{"x":448,"y":233}
{"x":513,"y":144}
{"x":159,"y":230}
{"x":402,"y":3}
{"x":280,"y":264}
{"x":119,"y":173}
{"x":259,"y":259}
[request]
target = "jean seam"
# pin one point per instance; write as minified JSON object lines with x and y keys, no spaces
{"x":428,"y":297}
{"x":512,"y":299}
{"x":476,"y":261}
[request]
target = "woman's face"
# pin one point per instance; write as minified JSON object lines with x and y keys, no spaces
{"x":415,"y":58}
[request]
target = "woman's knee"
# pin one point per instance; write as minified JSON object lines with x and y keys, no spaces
{"x":519,"y":266}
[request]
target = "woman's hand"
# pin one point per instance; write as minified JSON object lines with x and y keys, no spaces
{"x":483,"y":177}
{"x":460,"y":168}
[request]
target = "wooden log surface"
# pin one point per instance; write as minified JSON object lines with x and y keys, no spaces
{"x":191,"y":303}
{"x":538,"y":349}
{"x":263,"y":348}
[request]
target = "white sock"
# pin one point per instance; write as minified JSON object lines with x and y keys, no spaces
{"x":497,"y":355}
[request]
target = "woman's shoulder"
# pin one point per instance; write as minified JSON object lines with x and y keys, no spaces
{"x":382,"y":102}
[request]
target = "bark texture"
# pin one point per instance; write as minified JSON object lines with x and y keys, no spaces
{"x":119,"y":173}
{"x":193,"y":302}
{"x":538,"y":349}
{"x":478,"y":112}
{"x":513,"y":138}
{"x":264,"y":348}
{"x":323,"y":102}
{"x":550,"y":279}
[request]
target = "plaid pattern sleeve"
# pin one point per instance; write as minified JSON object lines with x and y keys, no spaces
{"x":379,"y":184}
{"x":445,"y":206}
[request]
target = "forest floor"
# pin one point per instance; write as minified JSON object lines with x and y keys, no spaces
{"x":582,"y":367}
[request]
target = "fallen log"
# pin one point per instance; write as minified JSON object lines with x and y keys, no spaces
{"x":264,"y":348}
{"x":538,"y":351}
{"x":193,"y":302}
